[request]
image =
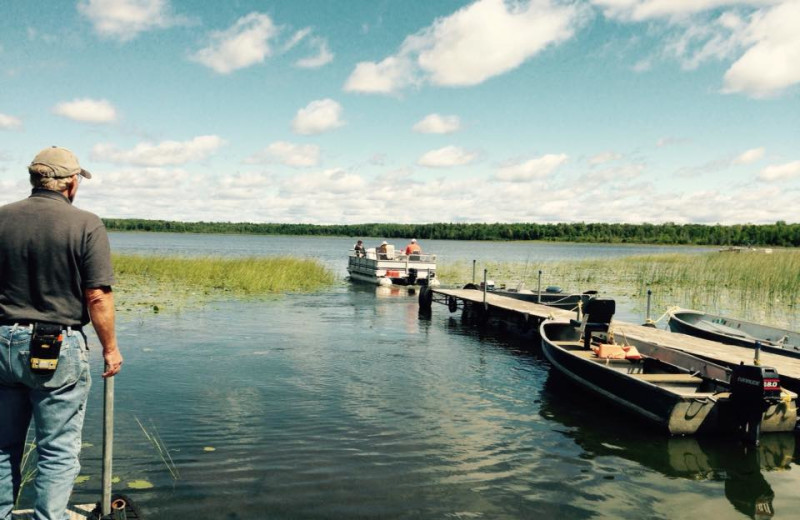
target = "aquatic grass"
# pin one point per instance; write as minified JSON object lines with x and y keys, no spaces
{"x":161,"y":448}
{"x":251,"y":276}
{"x":28,"y":467}
{"x":153,"y":281}
{"x":751,"y":285}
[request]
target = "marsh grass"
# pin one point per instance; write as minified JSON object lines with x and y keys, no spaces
{"x":28,"y":467}
{"x":752,"y":286}
{"x":160,"y":447}
{"x":154,"y":281}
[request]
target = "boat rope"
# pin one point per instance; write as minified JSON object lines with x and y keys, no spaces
{"x":564,"y":299}
{"x":669,"y":311}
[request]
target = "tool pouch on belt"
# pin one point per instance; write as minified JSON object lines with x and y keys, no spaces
{"x":45,"y":347}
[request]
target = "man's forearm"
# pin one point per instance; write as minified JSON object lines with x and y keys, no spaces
{"x":101,"y":310}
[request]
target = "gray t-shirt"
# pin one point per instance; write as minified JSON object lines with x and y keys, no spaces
{"x":50,"y":251}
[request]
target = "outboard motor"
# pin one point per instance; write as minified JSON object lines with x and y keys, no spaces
{"x":753,"y":389}
{"x":411,"y":278}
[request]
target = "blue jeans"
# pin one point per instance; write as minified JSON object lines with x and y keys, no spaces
{"x":57,"y":404}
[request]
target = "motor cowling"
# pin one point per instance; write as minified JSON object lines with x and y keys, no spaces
{"x":753,"y":389}
{"x":755,"y":384}
{"x":411,"y":278}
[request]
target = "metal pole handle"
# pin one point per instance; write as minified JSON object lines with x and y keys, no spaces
{"x":108,"y":443}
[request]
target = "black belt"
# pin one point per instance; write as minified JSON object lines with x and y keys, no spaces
{"x":25,"y":323}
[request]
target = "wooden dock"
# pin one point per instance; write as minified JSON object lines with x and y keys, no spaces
{"x":503,"y":306}
{"x":80,"y":512}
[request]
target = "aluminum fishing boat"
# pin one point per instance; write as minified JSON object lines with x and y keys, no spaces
{"x":677,"y":392}
{"x":732,"y":331}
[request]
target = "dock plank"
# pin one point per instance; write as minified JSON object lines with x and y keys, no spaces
{"x":509,"y":304}
{"x":76,"y":512}
{"x":731,"y":354}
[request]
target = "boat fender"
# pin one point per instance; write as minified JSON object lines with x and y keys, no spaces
{"x":452,"y":303}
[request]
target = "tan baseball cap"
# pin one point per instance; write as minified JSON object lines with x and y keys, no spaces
{"x":58,"y":163}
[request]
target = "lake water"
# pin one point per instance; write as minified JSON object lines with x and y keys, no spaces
{"x":344,"y":404}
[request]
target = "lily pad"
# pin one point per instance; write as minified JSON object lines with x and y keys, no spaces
{"x":209,"y":448}
{"x":140,"y":484}
{"x":81,"y":479}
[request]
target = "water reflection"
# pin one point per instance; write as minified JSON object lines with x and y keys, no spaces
{"x":603,"y":431}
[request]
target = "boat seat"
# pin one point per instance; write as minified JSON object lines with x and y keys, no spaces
{"x":671,"y":378}
{"x":389,"y":254}
{"x":597,"y":317}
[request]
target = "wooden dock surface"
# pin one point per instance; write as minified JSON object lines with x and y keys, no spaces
{"x":730,"y":354}
{"x":79,"y":512}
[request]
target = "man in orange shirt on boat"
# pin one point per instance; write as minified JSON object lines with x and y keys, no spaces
{"x":413,"y":248}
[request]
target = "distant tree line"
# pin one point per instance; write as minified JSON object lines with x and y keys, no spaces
{"x":779,"y":234}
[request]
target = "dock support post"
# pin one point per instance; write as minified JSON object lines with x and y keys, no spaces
{"x":485,"y":271}
{"x":647,"y":314}
{"x":108,"y":443}
{"x":473,"y":271}
{"x":539,"y":289}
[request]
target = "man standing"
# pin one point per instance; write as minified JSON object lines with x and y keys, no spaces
{"x":55,"y":276}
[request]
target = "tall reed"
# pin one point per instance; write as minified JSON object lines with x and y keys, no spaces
{"x":749,"y":284}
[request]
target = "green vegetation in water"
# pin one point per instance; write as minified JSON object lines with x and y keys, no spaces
{"x":158,"y":444}
{"x":140,"y":484}
{"x":154,"y":282}
{"x":749,"y":285}
{"x":28,"y":465}
{"x":777,"y":234}
{"x":82,"y":479}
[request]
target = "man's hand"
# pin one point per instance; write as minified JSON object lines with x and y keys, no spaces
{"x":113,"y":361}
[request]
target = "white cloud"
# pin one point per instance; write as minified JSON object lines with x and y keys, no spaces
{"x":244,"y":44}
{"x":243,"y":187}
{"x":290,"y":154}
{"x":296,"y":38}
{"x":537,"y":168}
{"x":388,"y":76}
{"x":164,"y":153}
{"x":750,"y":156}
{"x":446,"y":157}
{"x":437,"y":124}
{"x":780,"y":172}
{"x":671,"y":141}
{"x":702,"y":40}
{"x":604,"y":157}
{"x":147,"y":180}
{"x":317,"y":117}
{"x":477,"y":42}
{"x":87,"y":110}
{"x":325,"y":184}
{"x":123,"y":20}
{"x":641,"y":10}
{"x":759,"y":36}
{"x":322,"y":57}
{"x":9,"y":122}
{"x":770,"y":64}
{"x":322,"y":54}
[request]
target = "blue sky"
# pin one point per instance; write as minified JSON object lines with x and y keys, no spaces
{"x":410,"y":111}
